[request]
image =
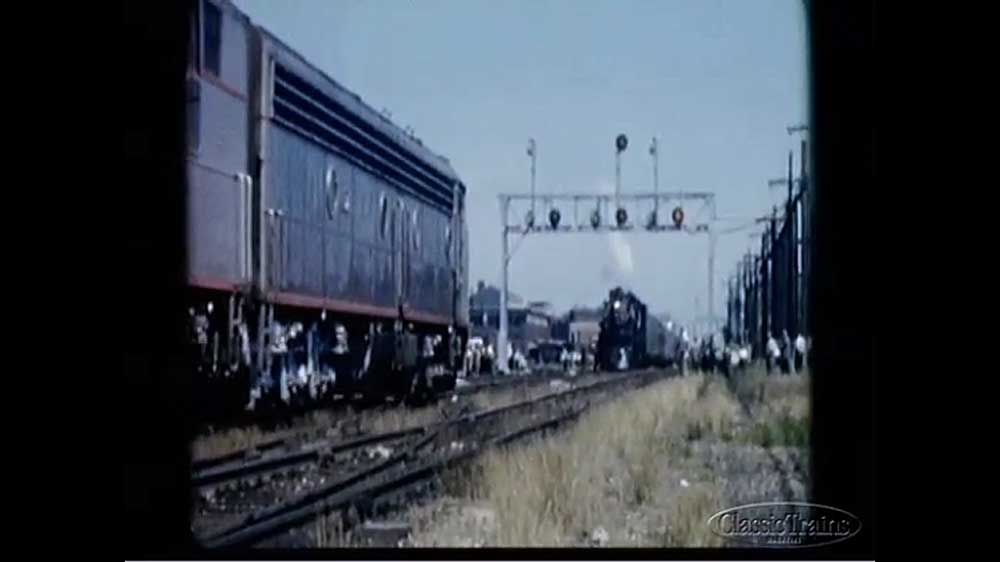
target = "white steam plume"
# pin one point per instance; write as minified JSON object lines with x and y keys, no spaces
{"x":620,"y":248}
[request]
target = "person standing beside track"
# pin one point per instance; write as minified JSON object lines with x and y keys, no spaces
{"x":685,"y":352}
{"x":772,"y":353}
{"x":733,"y":360}
{"x":744,"y":358}
{"x":800,"y":352}
{"x":788,"y":353}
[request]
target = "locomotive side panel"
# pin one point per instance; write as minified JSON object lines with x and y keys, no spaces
{"x":221,"y":71}
{"x":433,"y":286}
{"x":217,"y":209}
{"x":310,"y":230}
{"x":374,"y":236}
{"x":463,"y":264}
{"x":219,"y":198}
{"x":358,"y":202}
{"x":361,"y":237}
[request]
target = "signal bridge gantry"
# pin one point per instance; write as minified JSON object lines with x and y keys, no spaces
{"x":598,"y":213}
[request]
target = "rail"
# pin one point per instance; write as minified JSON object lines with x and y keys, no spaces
{"x":366,"y":484}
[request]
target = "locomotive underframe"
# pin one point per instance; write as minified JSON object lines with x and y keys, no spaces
{"x":252,"y":354}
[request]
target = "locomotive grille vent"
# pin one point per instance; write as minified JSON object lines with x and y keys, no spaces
{"x":302,"y":108}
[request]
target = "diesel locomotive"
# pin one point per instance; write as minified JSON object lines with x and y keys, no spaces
{"x":327,"y":247}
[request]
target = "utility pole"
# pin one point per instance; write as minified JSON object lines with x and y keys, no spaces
{"x":755,"y":288}
{"x":803,"y":249}
{"x":746,"y":298}
{"x":655,"y":153}
{"x":798,"y":251}
{"x":737,"y":304}
{"x":792,"y":251}
{"x":532,"y":152}
{"x":774,"y":271}
{"x":505,"y":258}
{"x":765,"y":281}
{"x":711,"y":265}
{"x":746,"y":304}
{"x":729,"y":308}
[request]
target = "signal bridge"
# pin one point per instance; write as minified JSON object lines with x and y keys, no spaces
{"x":599,"y":213}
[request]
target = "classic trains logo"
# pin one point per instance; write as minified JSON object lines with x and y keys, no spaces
{"x":784,"y":524}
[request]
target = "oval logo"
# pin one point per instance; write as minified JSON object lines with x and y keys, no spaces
{"x":784,"y":524}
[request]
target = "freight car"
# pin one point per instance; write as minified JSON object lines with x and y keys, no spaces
{"x":631,"y":338}
{"x":327,"y":248}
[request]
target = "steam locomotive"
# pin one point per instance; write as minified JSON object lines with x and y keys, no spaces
{"x":630,"y":337}
{"x":327,"y":247}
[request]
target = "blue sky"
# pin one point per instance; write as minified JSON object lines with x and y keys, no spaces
{"x":716,"y":81}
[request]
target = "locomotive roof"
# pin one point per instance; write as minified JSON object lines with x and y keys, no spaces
{"x":356,"y":105}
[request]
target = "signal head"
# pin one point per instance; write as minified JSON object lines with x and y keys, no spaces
{"x":677,"y":216}
{"x":621,"y":216}
{"x":554,"y":217}
{"x":621,"y":142}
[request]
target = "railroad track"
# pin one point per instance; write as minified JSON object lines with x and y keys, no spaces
{"x":254,"y":462}
{"x":421,"y":452}
{"x":208,"y":466}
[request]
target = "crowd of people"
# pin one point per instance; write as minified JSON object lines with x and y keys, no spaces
{"x":782,"y":355}
{"x":481,"y":358}
{"x":786,"y":356}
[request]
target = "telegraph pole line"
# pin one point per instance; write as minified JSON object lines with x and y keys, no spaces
{"x":797,"y":250}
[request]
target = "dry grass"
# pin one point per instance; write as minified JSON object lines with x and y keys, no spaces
{"x":329,"y":531}
{"x":228,"y":441}
{"x":626,"y":467}
{"x":779,"y":407}
{"x":307,"y":426}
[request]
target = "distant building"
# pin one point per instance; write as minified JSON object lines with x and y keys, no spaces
{"x":526,"y":322}
{"x":584,"y":332}
{"x":541,"y":307}
{"x":578,"y":323}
